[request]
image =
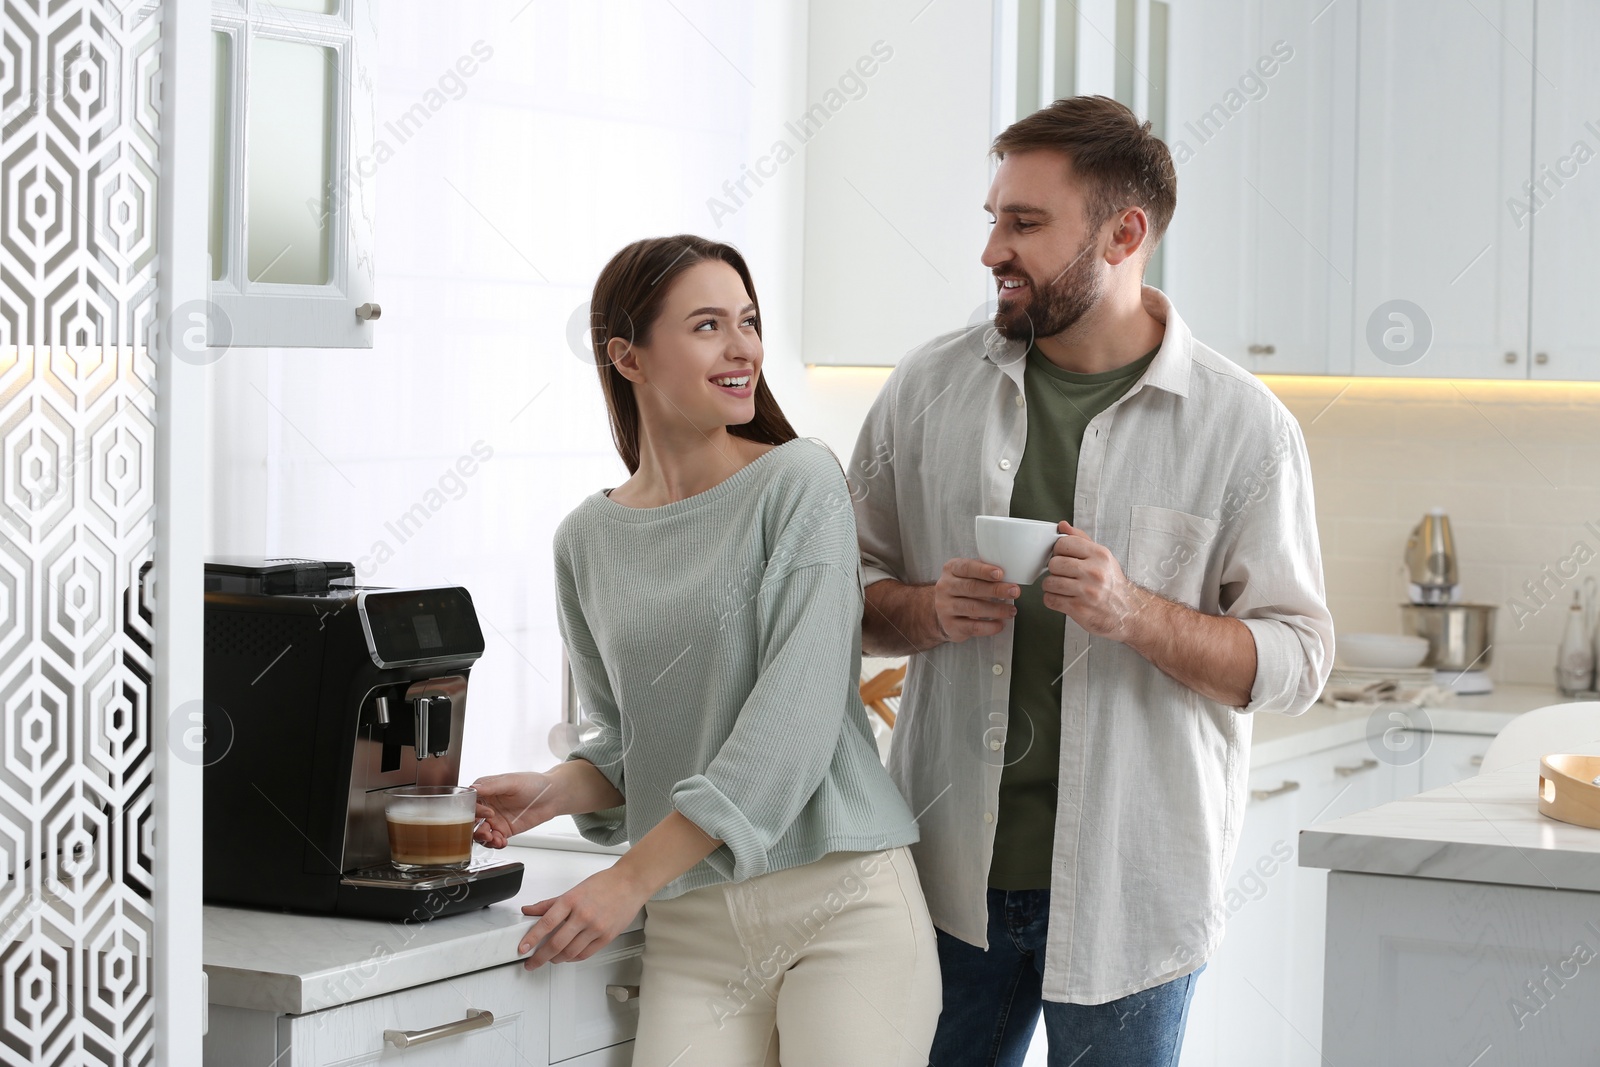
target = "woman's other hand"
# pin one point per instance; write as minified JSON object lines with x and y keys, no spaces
{"x":584,"y":919}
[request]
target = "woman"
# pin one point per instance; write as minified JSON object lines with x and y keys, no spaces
{"x":711,"y":611}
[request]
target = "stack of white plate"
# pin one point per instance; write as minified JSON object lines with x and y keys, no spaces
{"x":1406,"y":676}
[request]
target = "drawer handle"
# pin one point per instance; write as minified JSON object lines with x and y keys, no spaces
{"x":1268,"y":794}
{"x":1477,"y":761}
{"x":476,"y":1019}
{"x":1364,"y":765}
{"x":622,"y":993}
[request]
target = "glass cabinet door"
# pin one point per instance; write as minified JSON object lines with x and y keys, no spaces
{"x":291,"y":204}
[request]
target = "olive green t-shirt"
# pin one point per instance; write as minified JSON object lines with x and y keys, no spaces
{"x":1060,"y":406}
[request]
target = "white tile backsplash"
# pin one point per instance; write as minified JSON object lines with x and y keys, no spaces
{"x":1516,"y":466}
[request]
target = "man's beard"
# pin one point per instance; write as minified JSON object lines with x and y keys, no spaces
{"x":1058,"y":306}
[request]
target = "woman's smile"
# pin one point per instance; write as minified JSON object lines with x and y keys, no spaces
{"x":737,"y":384}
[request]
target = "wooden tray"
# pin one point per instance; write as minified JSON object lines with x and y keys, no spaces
{"x":1567,"y":791}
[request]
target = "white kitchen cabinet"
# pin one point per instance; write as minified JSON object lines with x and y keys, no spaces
{"x":1266,"y":978}
{"x":1406,"y":195}
{"x":1445,"y":118}
{"x":1466,"y":930}
{"x":1251,"y":971}
{"x":573,"y":1014}
{"x":1259,"y":1002}
{"x":1562,"y":210}
{"x":355,"y":1033}
{"x":1450,"y":758}
{"x":294,"y":158}
{"x":1262,"y":133}
{"x":1344,"y":780}
{"x":894,"y":140}
{"x":595,"y":1004}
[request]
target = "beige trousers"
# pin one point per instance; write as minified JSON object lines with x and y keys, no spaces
{"x":825,"y":965}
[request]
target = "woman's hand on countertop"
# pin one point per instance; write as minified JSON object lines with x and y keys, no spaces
{"x":584,"y":919}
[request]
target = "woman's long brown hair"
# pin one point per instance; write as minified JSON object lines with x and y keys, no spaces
{"x":627,"y":301}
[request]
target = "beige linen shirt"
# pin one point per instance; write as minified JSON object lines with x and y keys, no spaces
{"x":1197,"y":480}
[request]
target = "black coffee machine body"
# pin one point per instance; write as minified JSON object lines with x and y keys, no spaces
{"x":319,"y":695}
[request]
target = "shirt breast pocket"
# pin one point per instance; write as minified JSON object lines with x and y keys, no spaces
{"x":1169,"y":552}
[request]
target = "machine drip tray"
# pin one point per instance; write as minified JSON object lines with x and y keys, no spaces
{"x":413,"y":896}
{"x":386,"y":876}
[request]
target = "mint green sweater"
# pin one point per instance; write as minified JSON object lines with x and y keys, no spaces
{"x":716,"y":643}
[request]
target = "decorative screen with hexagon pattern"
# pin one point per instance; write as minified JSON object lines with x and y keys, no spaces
{"x":79,"y":103}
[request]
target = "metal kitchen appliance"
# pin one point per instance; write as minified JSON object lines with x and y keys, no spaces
{"x":319,"y":695}
{"x":1431,"y":561}
{"x":1460,"y":636}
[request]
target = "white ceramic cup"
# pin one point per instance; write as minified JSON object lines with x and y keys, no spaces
{"x":1020,"y":547}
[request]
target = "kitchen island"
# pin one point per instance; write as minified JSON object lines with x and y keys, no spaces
{"x":1260,"y":1000}
{"x":1463,"y":928}
{"x":307,"y":990}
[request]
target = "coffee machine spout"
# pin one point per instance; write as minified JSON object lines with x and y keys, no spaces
{"x":423,"y":706}
{"x":432,"y":726}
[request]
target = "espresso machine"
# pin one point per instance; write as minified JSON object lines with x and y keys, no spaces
{"x":319,"y":695}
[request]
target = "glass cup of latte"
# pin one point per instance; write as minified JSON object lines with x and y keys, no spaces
{"x":430,"y":825}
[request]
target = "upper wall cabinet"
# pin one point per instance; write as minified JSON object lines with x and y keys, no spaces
{"x":895,"y":135}
{"x":1402,"y":191}
{"x":1560,"y":206}
{"x":291,"y":233}
{"x":1445,"y":118}
{"x":1262,"y":132}
{"x":1365,"y":187}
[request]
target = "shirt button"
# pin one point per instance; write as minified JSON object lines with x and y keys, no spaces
{"x":998,"y":668}
{"x":994,"y":744}
{"x":1020,"y":401}
{"x":1005,"y":464}
{"x":988,"y":816}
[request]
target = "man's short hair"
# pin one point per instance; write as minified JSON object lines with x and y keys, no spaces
{"x":1119,"y":161}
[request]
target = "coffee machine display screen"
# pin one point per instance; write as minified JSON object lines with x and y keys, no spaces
{"x":414,"y":625}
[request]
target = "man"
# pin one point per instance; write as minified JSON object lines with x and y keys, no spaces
{"x":1077,"y":749}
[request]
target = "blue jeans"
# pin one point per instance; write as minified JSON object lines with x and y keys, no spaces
{"x":992,"y":1002}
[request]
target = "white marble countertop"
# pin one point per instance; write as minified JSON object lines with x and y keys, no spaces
{"x":1281,"y":737}
{"x":1482,"y":829}
{"x":273,"y":961}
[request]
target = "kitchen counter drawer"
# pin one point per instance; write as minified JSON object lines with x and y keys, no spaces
{"x":595,"y":1003}
{"x":354,"y":1033}
{"x":573,"y":1014}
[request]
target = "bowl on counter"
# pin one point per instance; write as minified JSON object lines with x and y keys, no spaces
{"x":1460,"y":636}
{"x":1383,"y":651}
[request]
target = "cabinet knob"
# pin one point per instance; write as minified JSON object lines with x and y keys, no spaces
{"x":622,"y":993}
{"x":1511,"y":357}
{"x":368,"y":312}
{"x":1541,"y":357}
{"x":476,"y":1020}
{"x":1262,"y":350}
